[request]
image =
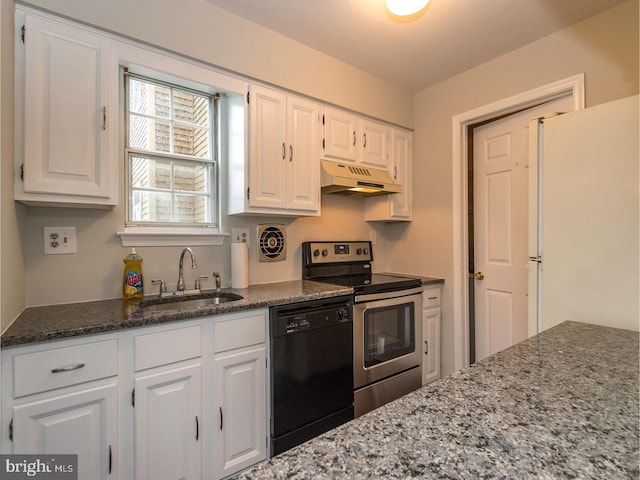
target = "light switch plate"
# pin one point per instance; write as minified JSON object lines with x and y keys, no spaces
{"x":59,"y":240}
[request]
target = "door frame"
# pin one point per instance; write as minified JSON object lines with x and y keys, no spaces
{"x":573,"y":86}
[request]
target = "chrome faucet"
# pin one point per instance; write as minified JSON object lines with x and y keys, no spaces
{"x":193,"y":265}
{"x":217,"y":277}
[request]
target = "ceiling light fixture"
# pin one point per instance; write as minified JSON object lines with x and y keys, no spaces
{"x":403,"y":8}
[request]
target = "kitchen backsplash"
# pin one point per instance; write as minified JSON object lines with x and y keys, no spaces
{"x":95,"y":271}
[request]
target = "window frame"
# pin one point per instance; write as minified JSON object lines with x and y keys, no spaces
{"x":212,"y":160}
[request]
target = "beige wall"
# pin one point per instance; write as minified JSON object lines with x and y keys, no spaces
{"x":95,"y":272}
{"x":604,"y":47}
{"x":12,"y":275}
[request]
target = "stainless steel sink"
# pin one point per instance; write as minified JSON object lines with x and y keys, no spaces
{"x":180,"y":303}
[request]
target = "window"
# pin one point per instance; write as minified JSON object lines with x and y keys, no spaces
{"x":170,"y":154}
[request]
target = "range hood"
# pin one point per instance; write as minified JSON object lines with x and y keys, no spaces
{"x":351,"y":179}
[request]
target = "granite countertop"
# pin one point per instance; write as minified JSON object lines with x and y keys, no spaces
{"x":426,"y":281}
{"x":51,"y":322}
{"x":563,"y":404}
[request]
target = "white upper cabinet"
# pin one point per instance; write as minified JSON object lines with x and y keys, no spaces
{"x":267,"y":149}
{"x":350,"y":138}
{"x":375,"y":138}
{"x":303,"y":136}
{"x":397,"y":206}
{"x":67,"y":132}
{"x":283,"y":174}
{"x":341,"y":133}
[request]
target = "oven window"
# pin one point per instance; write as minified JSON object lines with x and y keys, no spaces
{"x":389,"y":333}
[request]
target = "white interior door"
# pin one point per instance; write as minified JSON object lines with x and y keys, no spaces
{"x":500,"y":223}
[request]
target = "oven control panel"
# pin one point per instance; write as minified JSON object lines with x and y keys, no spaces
{"x":336,"y":252}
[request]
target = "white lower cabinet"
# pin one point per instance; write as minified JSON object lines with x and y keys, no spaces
{"x":168,"y":413}
{"x":82,"y":421}
{"x":168,"y":403}
{"x":184,"y":400}
{"x":431,"y":320}
{"x":240,"y":436}
{"x":62,"y":398}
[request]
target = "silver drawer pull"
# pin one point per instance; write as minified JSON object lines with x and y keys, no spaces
{"x":433,"y":298}
{"x":77,"y":366}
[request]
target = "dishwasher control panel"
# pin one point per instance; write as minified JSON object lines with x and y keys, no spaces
{"x":305,"y":317}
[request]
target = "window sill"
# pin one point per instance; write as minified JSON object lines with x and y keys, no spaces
{"x":169,"y":237}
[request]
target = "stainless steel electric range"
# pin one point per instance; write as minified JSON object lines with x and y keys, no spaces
{"x":387,"y":328}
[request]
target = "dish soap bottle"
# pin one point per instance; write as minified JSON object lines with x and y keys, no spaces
{"x":132,"y":284}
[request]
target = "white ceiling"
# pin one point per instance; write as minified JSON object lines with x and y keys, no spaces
{"x":450,"y":37}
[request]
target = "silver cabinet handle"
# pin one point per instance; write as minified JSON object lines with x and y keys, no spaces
{"x":284,"y":151}
{"x":220,"y":418}
{"x":197,"y":429}
{"x":291,"y":153}
{"x":395,"y":173}
{"x":354,"y":138}
{"x":104,"y":118}
{"x":426,"y":347}
{"x":365,"y":141}
{"x":77,"y":366}
{"x":110,"y":459}
{"x":433,"y":298}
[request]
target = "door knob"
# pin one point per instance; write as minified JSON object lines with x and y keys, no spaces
{"x":478,"y":276}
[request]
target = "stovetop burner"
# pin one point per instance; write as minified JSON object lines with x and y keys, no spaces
{"x":349,"y":264}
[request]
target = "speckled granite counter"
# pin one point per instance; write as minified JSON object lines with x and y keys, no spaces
{"x":563,"y":404}
{"x":39,"y":324}
{"x":426,"y":281}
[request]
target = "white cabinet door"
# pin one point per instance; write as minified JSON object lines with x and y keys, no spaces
{"x":240,"y":438}
{"x":83,"y":422}
{"x":401,"y":172}
{"x":341,"y":135}
{"x":395,"y":207}
{"x":69,"y":119}
{"x":374,"y":149}
{"x":284,"y":167}
{"x":268,"y":149}
{"x":431,"y":320}
{"x":168,"y":418}
{"x":303,"y":180}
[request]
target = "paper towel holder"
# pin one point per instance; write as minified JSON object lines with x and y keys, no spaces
{"x":272,"y":244}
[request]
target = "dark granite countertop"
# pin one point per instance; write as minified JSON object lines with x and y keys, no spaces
{"x":563,"y":404}
{"x":426,"y":281}
{"x":39,"y":324}
{"x":52,"y":322}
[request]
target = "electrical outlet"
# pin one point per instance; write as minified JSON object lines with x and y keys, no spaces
{"x":59,"y":240}
{"x":239,"y":235}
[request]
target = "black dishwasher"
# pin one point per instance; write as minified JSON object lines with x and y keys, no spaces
{"x":311,"y":370}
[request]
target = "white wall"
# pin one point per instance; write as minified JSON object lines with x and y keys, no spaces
{"x":604,"y":47}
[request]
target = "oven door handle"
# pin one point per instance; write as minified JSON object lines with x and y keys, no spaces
{"x":371,"y":297}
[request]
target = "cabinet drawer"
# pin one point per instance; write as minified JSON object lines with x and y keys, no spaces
{"x":239,"y":332}
{"x":164,"y":348}
{"x":61,"y":367}
{"x":431,"y":297}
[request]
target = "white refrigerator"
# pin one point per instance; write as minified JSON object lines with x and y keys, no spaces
{"x":584,"y":217}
